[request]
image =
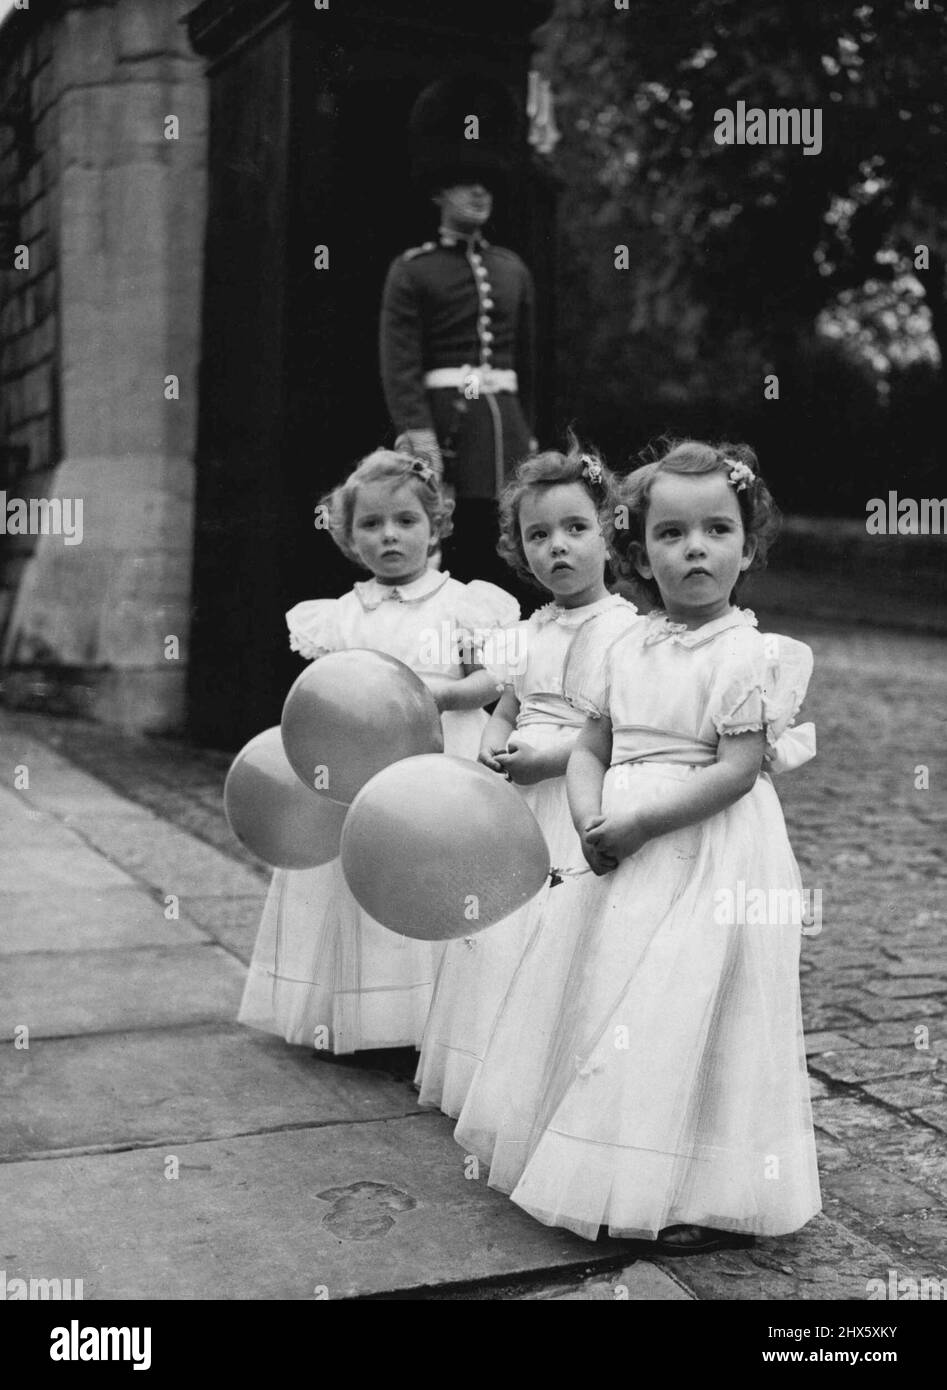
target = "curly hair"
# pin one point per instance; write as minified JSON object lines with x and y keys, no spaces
{"x":626,"y":527}
{"x":396,"y":467}
{"x":550,"y":469}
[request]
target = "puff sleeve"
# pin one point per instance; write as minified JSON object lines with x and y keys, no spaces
{"x":503,"y":652}
{"x":487,"y":605}
{"x":587,"y":674}
{"x":764,"y":689}
{"x":314,"y":628}
{"x":486,"y":624}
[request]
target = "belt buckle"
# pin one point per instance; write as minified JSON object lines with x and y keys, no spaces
{"x":470,"y":374}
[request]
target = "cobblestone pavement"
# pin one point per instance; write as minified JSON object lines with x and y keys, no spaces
{"x":868,"y":820}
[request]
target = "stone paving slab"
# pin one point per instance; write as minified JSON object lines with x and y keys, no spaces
{"x":927,"y":1168}
{"x":855,"y":1118}
{"x":205,"y":821}
{"x":902,"y":1138}
{"x":899,"y":1033}
{"x":877,"y":1193}
{"x":348,"y":1209}
{"x":831,"y":1154}
{"x":926,"y":1232}
{"x":906,"y":1151}
{"x":36,"y":833}
{"x":935,"y":1115}
{"x":67,"y":792}
{"x":57,"y":994}
{"x":869,"y":1064}
{"x":816,"y":1016}
{"x":915,"y":1239}
{"x":19,"y":745}
{"x":25,"y":826}
{"x":881,"y":1010}
{"x":910,"y":987}
{"x":57,"y":786}
{"x":933,"y":964}
{"x":818,"y":1043}
{"x":88,"y":919}
{"x":825,"y":1260}
{"x":178,"y":1087}
{"x":177,"y":782}
{"x":57,"y":870}
{"x":927,"y":937}
{"x":640,"y":1282}
{"x":168,"y":858}
{"x":906,"y":1093}
{"x":233,"y":920}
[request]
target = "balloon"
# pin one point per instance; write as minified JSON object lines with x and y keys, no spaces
{"x":438,"y":847}
{"x":272,"y":813}
{"x":352,"y":713}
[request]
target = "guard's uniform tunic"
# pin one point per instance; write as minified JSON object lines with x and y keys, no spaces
{"x":457,"y":356}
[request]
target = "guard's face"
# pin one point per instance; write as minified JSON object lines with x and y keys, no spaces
{"x":465,"y":204}
{"x":391,"y":532}
{"x":562,"y":542}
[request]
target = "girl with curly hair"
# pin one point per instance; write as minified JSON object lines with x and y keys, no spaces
{"x":646,"y":1073}
{"x":324,"y":974}
{"x":551,"y":517}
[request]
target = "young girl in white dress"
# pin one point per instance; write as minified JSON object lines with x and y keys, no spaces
{"x":324,"y":973}
{"x":551,"y":517}
{"x":656,"y":1083}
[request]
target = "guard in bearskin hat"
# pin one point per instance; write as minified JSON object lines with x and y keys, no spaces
{"x":457,"y":329}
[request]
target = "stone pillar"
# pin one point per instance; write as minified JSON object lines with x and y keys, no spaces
{"x":130,"y":224}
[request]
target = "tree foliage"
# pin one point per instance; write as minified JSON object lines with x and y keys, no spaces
{"x":736,"y":250}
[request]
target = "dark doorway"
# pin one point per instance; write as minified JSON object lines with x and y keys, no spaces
{"x":308,"y":148}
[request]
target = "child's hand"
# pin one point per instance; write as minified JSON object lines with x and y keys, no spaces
{"x":523,"y":764}
{"x":617,"y":837}
{"x":599,"y":862}
{"x":488,"y":756}
{"x":442,"y":688}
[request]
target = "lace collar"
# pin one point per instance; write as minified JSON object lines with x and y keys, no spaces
{"x":663,"y":629}
{"x":371,"y":594}
{"x":575,"y":617}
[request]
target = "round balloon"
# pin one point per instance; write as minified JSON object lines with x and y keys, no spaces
{"x":272,"y":813}
{"x":438,"y":847}
{"x":352,"y":713}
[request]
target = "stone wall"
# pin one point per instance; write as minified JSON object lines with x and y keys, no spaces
{"x":29,"y":188}
{"x":101,"y":627}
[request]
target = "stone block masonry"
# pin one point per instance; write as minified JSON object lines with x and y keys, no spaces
{"x":29,"y":174}
{"x":113,"y":215}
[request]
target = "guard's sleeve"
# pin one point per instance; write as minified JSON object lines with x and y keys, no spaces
{"x":526,"y":350}
{"x":402,"y":371}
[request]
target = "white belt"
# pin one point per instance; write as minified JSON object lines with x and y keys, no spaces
{"x":488,"y":380}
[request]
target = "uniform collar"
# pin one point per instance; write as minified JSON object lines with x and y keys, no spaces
{"x":476,"y":241}
{"x":372,"y":595}
{"x":575,"y":617}
{"x":663,"y":630}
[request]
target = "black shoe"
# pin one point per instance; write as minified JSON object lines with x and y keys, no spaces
{"x":707,"y":1241}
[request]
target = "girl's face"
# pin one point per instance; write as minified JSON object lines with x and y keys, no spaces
{"x":695,"y":545}
{"x":391,"y":532}
{"x":563,"y":544}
